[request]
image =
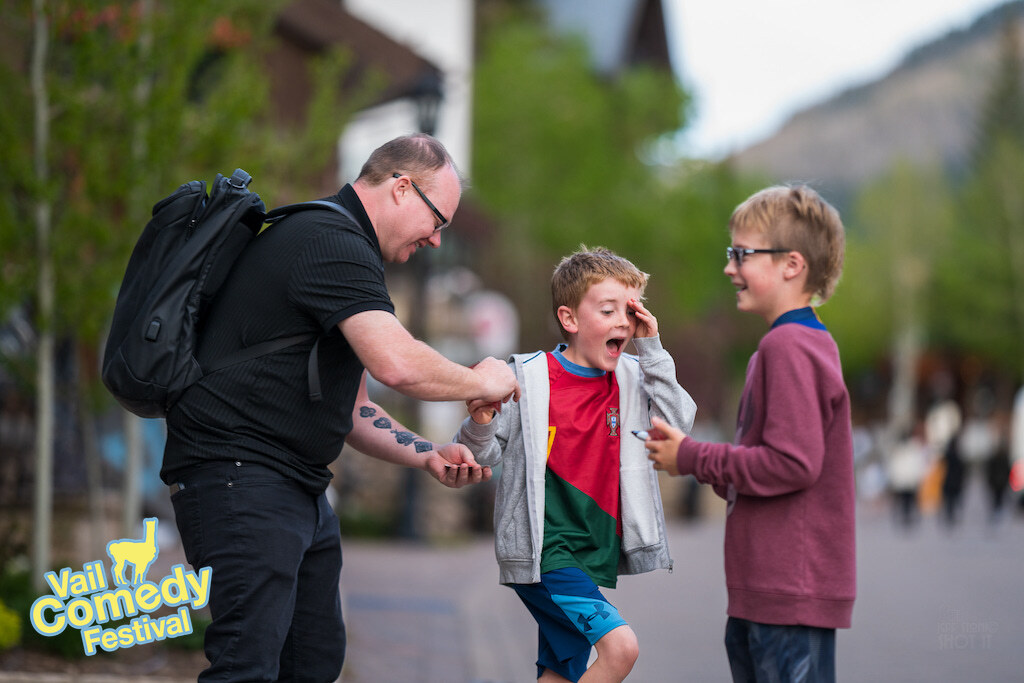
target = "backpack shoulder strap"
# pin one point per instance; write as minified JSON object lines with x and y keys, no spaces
{"x":255,"y":351}
{"x":270,"y":346}
{"x":280,"y":212}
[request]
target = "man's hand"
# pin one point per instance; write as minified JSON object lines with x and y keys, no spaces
{"x":663,"y":446}
{"x":462,"y":466}
{"x":497,"y":379}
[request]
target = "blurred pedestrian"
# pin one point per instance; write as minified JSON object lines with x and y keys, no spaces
{"x":941,"y":423}
{"x":1017,"y":448}
{"x":997,"y":468}
{"x":906,"y":467}
{"x":953,"y":481}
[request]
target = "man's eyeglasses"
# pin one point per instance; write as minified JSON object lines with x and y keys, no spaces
{"x":739,"y":253}
{"x":440,"y":216}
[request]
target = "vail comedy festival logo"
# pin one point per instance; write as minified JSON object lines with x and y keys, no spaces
{"x":84,"y":600}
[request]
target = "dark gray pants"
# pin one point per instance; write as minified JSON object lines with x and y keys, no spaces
{"x":769,"y":653}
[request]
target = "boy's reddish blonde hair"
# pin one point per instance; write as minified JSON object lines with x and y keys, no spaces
{"x":577,"y":272}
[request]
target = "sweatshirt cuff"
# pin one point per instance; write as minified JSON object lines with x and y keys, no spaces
{"x":647,"y":344}
{"x":479,"y":432}
{"x":686,"y":456}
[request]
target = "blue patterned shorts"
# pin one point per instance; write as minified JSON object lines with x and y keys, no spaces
{"x":571,"y":615}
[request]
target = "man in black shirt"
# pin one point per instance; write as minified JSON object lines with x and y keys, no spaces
{"x":248,"y":451}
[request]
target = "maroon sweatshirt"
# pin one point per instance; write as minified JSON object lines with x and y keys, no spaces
{"x":789,"y":536}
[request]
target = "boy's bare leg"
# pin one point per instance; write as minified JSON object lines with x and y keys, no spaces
{"x":617,"y":652}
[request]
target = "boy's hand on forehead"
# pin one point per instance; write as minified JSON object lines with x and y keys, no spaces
{"x":646,"y":323}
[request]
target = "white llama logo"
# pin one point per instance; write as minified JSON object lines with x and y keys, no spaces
{"x":137,"y":553}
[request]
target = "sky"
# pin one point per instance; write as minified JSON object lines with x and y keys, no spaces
{"x":752,"y":63}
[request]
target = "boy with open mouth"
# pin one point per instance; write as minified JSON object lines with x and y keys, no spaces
{"x":578,"y":502}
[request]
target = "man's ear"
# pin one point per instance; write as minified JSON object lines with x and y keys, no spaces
{"x":399,"y":190}
{"x":567,"y":317}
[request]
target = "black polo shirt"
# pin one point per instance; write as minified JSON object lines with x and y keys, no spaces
{"x":304,"y":274}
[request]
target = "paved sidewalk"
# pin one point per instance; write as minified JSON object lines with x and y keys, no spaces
{"x":25,"y":677}
{"x":424,"y":615}
{"x":933,"y":605}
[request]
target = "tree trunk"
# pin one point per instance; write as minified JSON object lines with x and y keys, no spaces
{"x":908,"y":283}
{"x":1014,"y":211}
{"x":93,"y":469}
{"x":134,"y":444}
{"x":43,"y":499}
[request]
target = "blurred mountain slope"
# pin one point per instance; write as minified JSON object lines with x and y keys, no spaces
{"x":924,"y":111}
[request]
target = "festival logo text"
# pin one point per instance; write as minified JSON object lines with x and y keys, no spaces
{"x":84,"y":600}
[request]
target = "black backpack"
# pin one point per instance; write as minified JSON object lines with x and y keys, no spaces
{"x":180,"y":261}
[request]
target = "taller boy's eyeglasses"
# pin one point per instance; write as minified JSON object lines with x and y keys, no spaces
{"x":440,"y":216}
{"x":737,"y":254}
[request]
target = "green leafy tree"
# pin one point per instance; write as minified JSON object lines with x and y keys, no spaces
{"x":981,"y":279}
{"x":130,"y":122}
{"x":900,"y":227}
{"x":124,"y":129}
{"x":127,"y":101}
{"x":1002,"y":113}
{"x":559,"y":158}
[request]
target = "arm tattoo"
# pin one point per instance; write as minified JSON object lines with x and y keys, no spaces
{"x":403,"y":438}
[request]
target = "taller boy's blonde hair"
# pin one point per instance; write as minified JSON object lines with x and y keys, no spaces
{"x":798,"y":219}
{"x":579,"y":271}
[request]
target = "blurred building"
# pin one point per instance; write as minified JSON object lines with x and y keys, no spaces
{"x":618,"y":33}
{"x":407,"y":88}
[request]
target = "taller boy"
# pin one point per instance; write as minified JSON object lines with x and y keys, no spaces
{"x":788,"y":476}
{"x":578,"y":502}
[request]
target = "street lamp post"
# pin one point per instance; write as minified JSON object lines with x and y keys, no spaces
{"x":426,"y":94}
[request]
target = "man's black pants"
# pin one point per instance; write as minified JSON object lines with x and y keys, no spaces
{"x":275,"y":552}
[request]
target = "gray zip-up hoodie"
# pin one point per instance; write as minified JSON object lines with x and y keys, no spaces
{"x":517,"y":437}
